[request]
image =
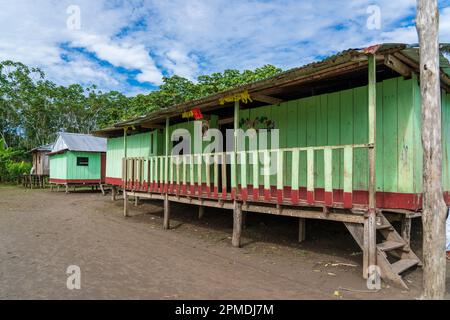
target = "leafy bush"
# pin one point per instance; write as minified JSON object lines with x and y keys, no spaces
{"x":12,"y":167}
{"x":15,"y":170}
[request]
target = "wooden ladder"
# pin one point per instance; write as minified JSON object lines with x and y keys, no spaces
{"x":394,"y":255}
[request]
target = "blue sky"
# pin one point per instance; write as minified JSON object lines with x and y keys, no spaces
{"x":129,"y":45}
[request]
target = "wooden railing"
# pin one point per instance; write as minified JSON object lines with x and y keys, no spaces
{"x":233,"y":175}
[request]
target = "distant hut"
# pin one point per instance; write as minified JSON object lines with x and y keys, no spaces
{"x":78,"y":160}
{"x":40,"y":159}
{"x":41,"y":167}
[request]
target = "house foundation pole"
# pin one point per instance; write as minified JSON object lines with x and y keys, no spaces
{"x":125,"y":173}
{"x":237,"y":206}
{"x":370,"y":225}
{"x":166,"y":223}
{"x":113,"y":193}
{"x":237,"y":225}
{"x":125,"y":203}
{"x":301,"y":229}
{"x":201,"y":212}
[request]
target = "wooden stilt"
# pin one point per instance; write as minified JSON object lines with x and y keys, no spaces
{"x":366,"y":249}
{"x":113,"y":193}
{"x":67,"y":188}
{"x":166,"y":225}
{"x":406,"y":230}
{"x":301,"y":230}
{"x":237,"y":224}
{"x":201,"y":212}
{"x":102,"y":190}
{"x":370,"y":228}
{"x":136,"y":201}
{"x":125,"y":203}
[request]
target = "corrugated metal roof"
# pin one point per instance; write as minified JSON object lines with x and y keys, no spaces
{"x":79,"y":142}
{"x":45,"y":147}
{"x":348,"y":56}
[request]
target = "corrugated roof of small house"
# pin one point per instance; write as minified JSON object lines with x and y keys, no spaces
{"x":79,"y":142}
{"x":46,"y":147}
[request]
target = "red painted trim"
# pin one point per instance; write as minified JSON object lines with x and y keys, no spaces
{"x":279,"y":196}
{"x":348,"y":200}
{"x":387,"y":200}
{"x":329,"y":198}
{"x":114,"y":181}
{"x":267,"y":194}
{"x":81,"y":181}
{"x":224,"y":193}
{"x":295,"y":196}
{"x":233,"y":194}
{"x":310,"y":197}
{"x":255,"y":194}
{"x":244,"y":193}
{"x":216,"y":192}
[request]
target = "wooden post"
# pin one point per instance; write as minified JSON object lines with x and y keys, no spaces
{"x":125,"y":173}
{"x":67,"y":188}
{"x":125,"y":161}
{"x":233,"y":157}
{"x":370,"y":226}
{"x":166,"y":225}
{"x":433,"y":208}
{"x":237,"y":224}
{"x":125,"y":203}
{"x":166,"y":160}
{"x":113,"y":193}
{"x":301,"y":230}
{"x":136,"y":201}
{"x":201,"y":212}
{"x":237,"y":207}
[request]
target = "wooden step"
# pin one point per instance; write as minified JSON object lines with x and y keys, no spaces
{"x":385,"y":226}
{"x":390,"y":245}
{"x":403,"y":265}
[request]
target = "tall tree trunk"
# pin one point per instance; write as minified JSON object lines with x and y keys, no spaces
{"x":434,"y":208}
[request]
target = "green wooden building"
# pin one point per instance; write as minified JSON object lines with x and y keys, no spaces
{"x":78,"y":159}
{"x":349,"y":149}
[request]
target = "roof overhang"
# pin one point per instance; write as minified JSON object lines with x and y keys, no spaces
{"x":400,"y":58}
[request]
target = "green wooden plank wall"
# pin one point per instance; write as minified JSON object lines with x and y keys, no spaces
{"x":341,"y":118}
{"x":58,"y":166}
{"x":90,"y":172}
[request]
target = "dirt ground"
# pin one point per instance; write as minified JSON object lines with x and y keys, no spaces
{"x":43,"y":232}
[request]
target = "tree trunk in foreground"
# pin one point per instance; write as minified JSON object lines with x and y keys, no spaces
{"x":434,"y":208}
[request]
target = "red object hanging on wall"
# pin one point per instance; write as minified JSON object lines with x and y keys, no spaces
{"x":197,"y":114}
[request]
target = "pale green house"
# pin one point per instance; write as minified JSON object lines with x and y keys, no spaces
{"x":78,"y":159}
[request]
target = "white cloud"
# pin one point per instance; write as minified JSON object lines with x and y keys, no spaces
{"x":152,"y":38}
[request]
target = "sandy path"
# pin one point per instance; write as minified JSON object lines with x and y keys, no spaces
{"x":43,"y":232}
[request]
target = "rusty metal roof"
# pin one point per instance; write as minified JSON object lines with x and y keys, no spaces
{"x":350,"y":57}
